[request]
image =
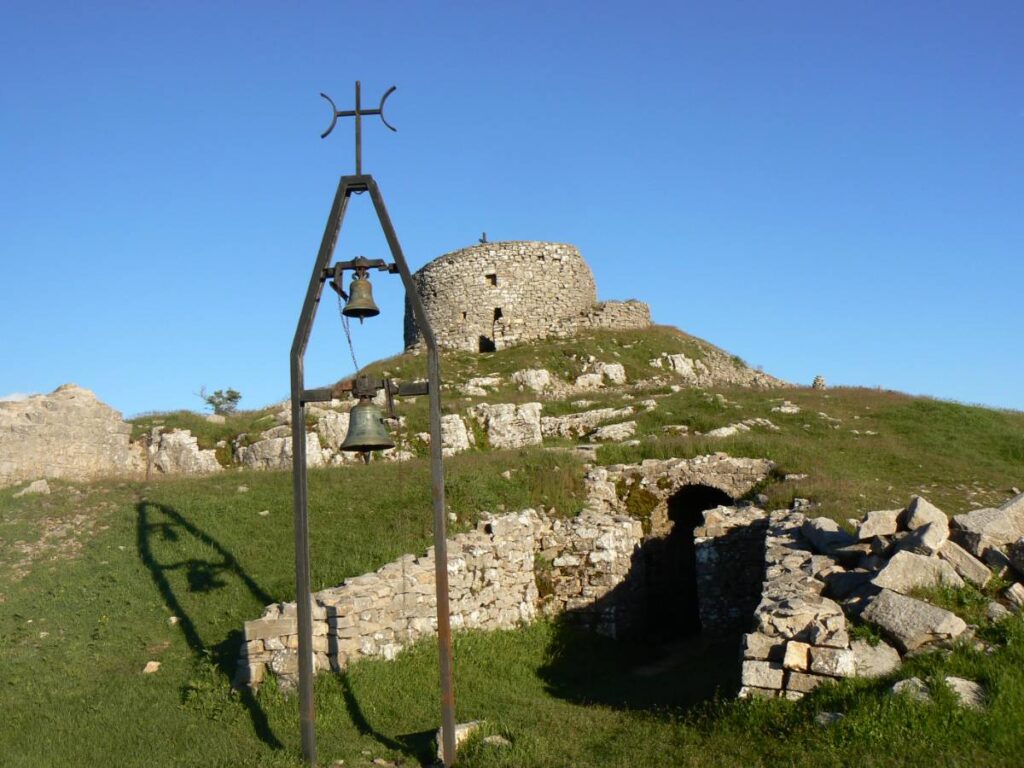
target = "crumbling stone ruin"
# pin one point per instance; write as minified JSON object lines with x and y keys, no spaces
{"x":663,"y":549}
{"x":601,"y":569}
{"x":496,"y":295}
{"x":817,"y":574}
{"x":67,"y":434}
{"x":495,"y":582}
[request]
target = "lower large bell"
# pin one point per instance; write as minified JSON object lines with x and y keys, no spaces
{"x":360,"y":300}
{"x":366,"y":431}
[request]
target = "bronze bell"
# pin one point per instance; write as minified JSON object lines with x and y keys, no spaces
{"x":360,"y":299}
{"x":366,"y":431}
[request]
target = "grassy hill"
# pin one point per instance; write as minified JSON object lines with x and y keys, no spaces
{"x":98,"y":579}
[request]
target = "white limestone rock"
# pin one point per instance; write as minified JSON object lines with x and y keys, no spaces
{"x":786,"y":407}
{"x":1015,"y":595}
{"x":996,"y":612}
{"x":912,"y":623}
{"x":907,"y":571}
{"x":534,"y":379}
{"x":965,"y":564}
{"x":969,"y":693}
{"x":579,"y":424}
{"x":615,"y":432}
{"x":825,"y":534}
{"x":509,"y":425}
{"x":36,"y":487}
{"x":276,"y":453}
{"x":332,"y":428}
{"x":921,"y":512}
{"x":178,"y":452}
{"x":984,"y":529}
{"x":914,"y":687}
{"x":455,"y":438}
{"x":463,"y":731}
{"x":67,"y":434}
{"x":874,"y":660}
{"x":615,"y":373}
{"x":589,"y":381}
{"x":881,"y":522}
{"x":926,"y":539}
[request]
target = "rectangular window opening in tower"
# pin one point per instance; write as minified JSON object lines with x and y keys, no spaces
{"x":497,"y":314}
{"x":492,"y":278}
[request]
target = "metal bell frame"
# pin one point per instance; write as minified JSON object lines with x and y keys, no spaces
{"x":348,"y":186}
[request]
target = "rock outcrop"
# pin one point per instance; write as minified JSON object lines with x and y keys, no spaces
{"x":509,"y":425}
{"x":178,"y":452}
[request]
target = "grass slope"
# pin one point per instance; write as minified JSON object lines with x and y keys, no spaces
{"x":90,"y":576}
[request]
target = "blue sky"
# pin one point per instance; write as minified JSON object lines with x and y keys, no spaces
{"x":820,"y":188}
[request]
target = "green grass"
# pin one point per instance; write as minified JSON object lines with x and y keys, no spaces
{"x":951,"y":453}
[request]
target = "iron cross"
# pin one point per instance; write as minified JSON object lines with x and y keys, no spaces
{"x":358,"y":113}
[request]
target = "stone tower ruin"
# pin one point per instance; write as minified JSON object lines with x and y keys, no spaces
{"x":496,"y":295}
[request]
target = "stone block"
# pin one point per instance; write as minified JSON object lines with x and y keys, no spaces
{"x":762,"y":674}
{"x":921,"y":512}
{"x":926,"y":539}
{"x":762,"y":647}
{"x":1015,"y":596}
{"x":881,"y":522}
{"x":262,"y":629}
{"x":981,"y":529}
{"x":965,"y":564}
{"x":907,"y":571}
{"x":834,"y":662}
{"x":796,"y":656}
{"x":825,"y":535}
{"x":874,"y":660}
{"x":912,"y":623}
{"x":803,"y":682}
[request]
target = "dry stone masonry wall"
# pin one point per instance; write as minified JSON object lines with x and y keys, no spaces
{"x":495,"y":295}
{"x":495,"y":582}
{"x":507,"y":571}
{"x":729,"y":550}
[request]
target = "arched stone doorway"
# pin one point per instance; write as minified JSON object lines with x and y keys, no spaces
{"x":672,"y":608}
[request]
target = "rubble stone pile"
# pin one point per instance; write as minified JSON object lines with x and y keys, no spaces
{"x":817,"y":574}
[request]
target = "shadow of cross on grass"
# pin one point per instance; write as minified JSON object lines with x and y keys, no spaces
{"x":205,"y":565}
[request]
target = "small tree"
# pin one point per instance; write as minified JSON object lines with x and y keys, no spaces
{"x":223,"y":401}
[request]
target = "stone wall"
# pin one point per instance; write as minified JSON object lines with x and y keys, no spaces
{"x":616,"y":314}
{"x":66,"y":434}
{"x":730,"y":567}
{"x":501,"y":574}
{"x":496,"y":295}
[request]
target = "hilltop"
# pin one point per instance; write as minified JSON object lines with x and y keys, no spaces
{"x":101,"y":577}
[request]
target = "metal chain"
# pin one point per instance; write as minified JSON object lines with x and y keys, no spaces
{"x":348,"y":334}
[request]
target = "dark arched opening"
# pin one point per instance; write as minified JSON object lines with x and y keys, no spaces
{"x":486,"y":344}
{"x":672,"y":610}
